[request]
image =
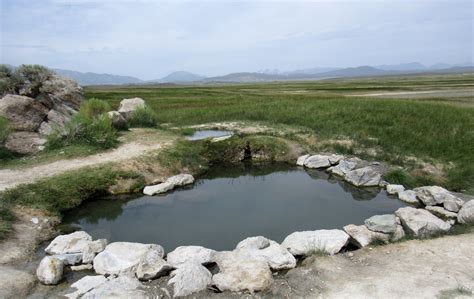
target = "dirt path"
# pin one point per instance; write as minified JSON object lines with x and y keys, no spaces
{"x":437,"y":268}
{"x":12,"y":177}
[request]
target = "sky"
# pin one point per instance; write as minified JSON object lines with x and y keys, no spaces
{"x":149,"y":39}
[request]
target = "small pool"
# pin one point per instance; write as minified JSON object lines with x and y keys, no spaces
{"x":230,"y":204}
{"x":204,"y":134}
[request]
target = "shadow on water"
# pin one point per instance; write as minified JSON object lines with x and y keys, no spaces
{"x":230,"y":203}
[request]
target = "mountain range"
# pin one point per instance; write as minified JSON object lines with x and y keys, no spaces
{"x":266,"y":75}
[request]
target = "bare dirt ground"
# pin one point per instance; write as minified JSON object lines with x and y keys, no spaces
{"x":142,"y":142}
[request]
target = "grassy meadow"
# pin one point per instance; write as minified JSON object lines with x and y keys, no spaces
{"x":438,"y":130}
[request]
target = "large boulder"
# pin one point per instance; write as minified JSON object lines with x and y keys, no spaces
{"x":382,"y":223}
{"x":128,"y":106}
{"x":441,"y":212}
{"x":364,"y":177}
{"x":434,"y":195}
{"x":75,"y":242}
{"x":466,"y":214}
{"x":300,"y":161}
{"x":189,"y":278}
{"x":261,"y":248}
{"x":420,"y":222}
{"x":238,"y":273}
{"x":181,"y":180}
{"x":50,"y":270}
{"x":152,"y":266}
{"x":118,"y":121}
{"x":310,"y":242}
{"x":123,"y":258}
{"x":158,"y":188}
{"x":62,"y":90}
{"x":361,"y":236}
{"x":344,"y":166}
{"x":184,"y":254}
{"x":25,"y":143}
{"x":92,"y":249}
{"x":23,"y":113}
{"x":394,"y":189}
{"x":408,"y":196}
{"x":317,"y":161}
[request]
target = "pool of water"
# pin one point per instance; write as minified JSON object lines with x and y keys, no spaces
{"x":204,"y":134}
{"x":232,"y":203}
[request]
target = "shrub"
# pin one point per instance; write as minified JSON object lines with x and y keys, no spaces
{"x":7,"y":80}
{"x":93,"y":107}
{"x":143,"y":118}
{"x":28,"y":79}
{"x":4,"y":129}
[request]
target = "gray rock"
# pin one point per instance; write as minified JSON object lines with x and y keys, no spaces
{"x":158,"y":189}
{"x":189,"y":278}
{"x":63,"y":92}
{"x":169,"y":184}
{"x":152,"y":266}
{"x":453,"y":205}
{"x":127,"y":106}
{"x":420,"y":222}
{"x":466,"y":213}
{"x":308,"y":242}
{"x":335,"y":159}
{"x":394,"y":189}
{"x":361,"y":236}
{"x":382,"y":223}
{"x":82,"y":267}
{"x":75,"y":242}
{"x":93,"y":248}
{"x":25,"y":143}
{"x":238,"y":273}
{"x":118,"y":121}
{"x":185,"y":254}
{"x":123,"y":258}
{"x":398,"y":234}
{"x":433,"y":195}
{"x":50,"y":270}
{"x":261,"y":248}
{"x":23,"y":113}
{"x":441,"y":212}
{"x":181,"y":180}
{"x":408,"y":196}
{"x":317,"y":161}
{"x":344,"y":166}
{"x":364,"y":177}
{"x":300,"y":161}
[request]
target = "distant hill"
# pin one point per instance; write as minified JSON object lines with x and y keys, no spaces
{"x":180,"y":77}
{"x":97,"y":79}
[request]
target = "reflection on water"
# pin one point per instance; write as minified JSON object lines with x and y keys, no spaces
{"x":232,"y":203}
{"x":199,"y":135}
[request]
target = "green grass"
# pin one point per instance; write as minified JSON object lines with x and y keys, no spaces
{"x":431,"y":129}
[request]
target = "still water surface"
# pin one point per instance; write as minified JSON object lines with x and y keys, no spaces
{"x":229,"y":204}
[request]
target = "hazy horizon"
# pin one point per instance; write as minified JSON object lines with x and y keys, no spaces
{"x":150,"y":39}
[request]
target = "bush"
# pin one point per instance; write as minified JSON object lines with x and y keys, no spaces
{"x":6,"y":80}
{"x":4,"y":129}
{"x":28,"y":79}
{"x":93,"y":107}
{"x":143,"y":118}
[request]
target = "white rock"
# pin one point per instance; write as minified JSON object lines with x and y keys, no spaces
{"x":317,"y":161}
{"x":35,"y":220}
{"x":334,"y":159}
{"x":127,"y":106}
{"x":92,"y":249}
{"x":420,"y":222}
{"x":344,"y":166}
{"x":466,"y":213}
{"x":441,"y":212}
{"x":433,"y":195}
{"x":300,"y":161}
{"x":453,"y":205}
{"x":382,"y":223}
{"x":157,"y":189}
{"x":119,"y":287}
{"x":75,"y":242}
{"x":191,"y":277}
{"x":261,"y":248}
{"x":408,"y":196}
{"x":185,"y":254}
{"x":50,"y":270}
{"x":152,"y":266}
{"x":122,"y":258}
{"x":86,"y":284}
{"x":69,"y":259}
{"x":394,"y":189}
{"x":238,"y":273}
{"x":364,"y":177}
{"x":181,"y":180}
{"x":361,"y":236}
{"x":398,"y":234}
{"x":309,"y":242}
{"x":82,"y":267}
